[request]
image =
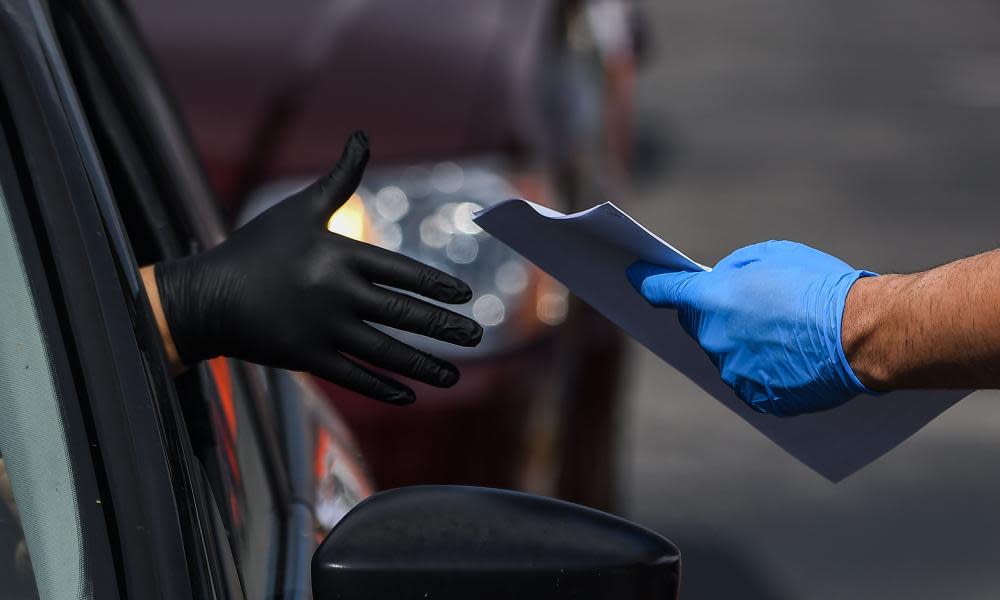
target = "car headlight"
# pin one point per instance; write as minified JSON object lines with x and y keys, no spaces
{"x":425,"y":212}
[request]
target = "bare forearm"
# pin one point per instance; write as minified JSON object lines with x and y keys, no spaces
{"x":936,"y":329}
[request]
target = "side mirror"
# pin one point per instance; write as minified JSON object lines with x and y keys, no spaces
{"x":456,"y":543}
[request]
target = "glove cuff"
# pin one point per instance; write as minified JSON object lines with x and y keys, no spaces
{"x":188,"y":319}
{"x":851,"y":378}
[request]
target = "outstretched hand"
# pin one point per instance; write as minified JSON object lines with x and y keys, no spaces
{"x":769,"y":316}
{"x":284,"y":291}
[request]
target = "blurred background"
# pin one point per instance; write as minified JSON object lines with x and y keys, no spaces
{"x":870,"y":130}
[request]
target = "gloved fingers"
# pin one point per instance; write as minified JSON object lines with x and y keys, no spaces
{"x":640,"y":270}
{"x":662,"y":287}
{"x":395,"y":270}
{"x":339,"y":369}
{"x":744,"y":256}
{"x":416,"y":316}
{"x":747,"y":255}
{"x":381,"y":350}
{"x":331,"y":191}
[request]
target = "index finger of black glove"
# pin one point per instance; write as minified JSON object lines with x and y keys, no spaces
{"x":331,"y":191}
{"x":402,"y":272}
{"x":337,"y":368}
{"x":400,"y":311}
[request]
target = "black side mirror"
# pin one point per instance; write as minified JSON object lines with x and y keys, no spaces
{"x":460,"y":543}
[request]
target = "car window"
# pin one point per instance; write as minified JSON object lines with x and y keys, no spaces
{"x":41,"y":550}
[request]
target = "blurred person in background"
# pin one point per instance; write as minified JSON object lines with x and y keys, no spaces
{"x":794,"y":330}
{"x":614,"y":25}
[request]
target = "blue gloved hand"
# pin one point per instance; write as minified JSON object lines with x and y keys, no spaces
{"x":769,"y":316}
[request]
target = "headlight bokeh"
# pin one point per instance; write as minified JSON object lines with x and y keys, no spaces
{"x":425,"y":212}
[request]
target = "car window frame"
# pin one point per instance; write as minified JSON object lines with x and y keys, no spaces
{"x":139,"y":439}
{"x":198,"y":224}
{"x":96,"y":547}
{"x":188,"y":199}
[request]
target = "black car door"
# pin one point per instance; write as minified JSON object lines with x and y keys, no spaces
{"x":134,"y":432}
{"x":151,"y":178}
{"x":199,"y":463}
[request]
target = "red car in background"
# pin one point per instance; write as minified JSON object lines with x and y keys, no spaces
{"x":467,"y":103}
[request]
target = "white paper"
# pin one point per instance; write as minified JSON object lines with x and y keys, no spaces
{"x":589,"y":253}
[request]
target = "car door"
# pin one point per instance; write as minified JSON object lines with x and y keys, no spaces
{"x":234,"y":450}
{"x":256,"y":433}
{"x":226,"y":473}
{"x":149,"y":500}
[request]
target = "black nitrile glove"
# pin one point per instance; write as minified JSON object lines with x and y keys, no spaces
{"x":285,"y":292}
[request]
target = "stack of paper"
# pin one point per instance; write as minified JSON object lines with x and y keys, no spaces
{"x":589,"y":253}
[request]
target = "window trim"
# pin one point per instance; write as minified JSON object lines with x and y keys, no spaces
{"x":97,"y":550}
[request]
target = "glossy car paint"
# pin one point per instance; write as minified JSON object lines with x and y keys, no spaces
{"x":270,"y":85}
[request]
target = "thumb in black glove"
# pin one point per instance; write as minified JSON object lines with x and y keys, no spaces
{"x":285,"y":292}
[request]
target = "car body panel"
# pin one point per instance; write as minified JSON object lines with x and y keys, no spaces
{"x":268,"y":85}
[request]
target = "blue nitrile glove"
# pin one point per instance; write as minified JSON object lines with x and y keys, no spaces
{"x":769,"y":316}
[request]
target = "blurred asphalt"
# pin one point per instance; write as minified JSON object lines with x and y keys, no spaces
{"x":870,"y":130}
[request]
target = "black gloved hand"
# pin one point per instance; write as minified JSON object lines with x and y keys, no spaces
{"x":285,"y":292}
